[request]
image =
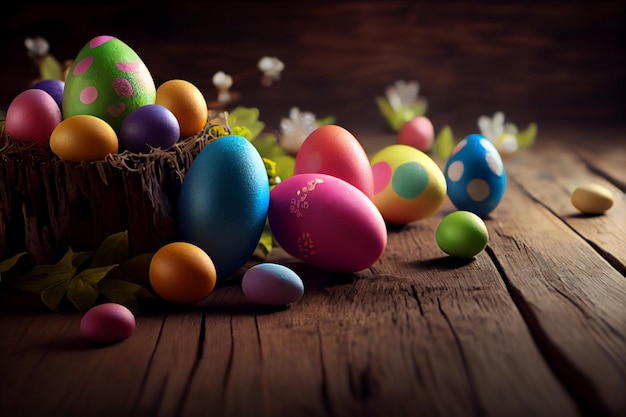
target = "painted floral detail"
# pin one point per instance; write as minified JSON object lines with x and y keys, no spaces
{"x":305,"y":245}
{"x":299,"y":203}
{"x":295,"y":129}
{"x":271,"y":67}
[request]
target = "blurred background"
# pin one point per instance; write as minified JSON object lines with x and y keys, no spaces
{"x":553,"y":62}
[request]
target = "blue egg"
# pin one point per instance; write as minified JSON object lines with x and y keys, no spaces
{"x":223,"y":203}
{"x":475,"y":176}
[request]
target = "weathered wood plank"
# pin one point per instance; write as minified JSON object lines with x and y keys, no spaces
{"x":572,"y":299}
{"x":550,"y":172}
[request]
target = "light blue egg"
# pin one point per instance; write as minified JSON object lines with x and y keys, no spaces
{"x":272,"y":284}
{"x":475,"y":176}
{"x":223,"y":203}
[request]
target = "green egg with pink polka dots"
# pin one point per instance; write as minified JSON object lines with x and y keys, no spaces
{"x":408,"y":184}
{"x":108,"y":80}
{"x":475,"y":176}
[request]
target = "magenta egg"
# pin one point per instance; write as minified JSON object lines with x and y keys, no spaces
{"x":326,"y":222}
{"x":32,"y":116}
{"x":106,"y":323}
{"x":149,"y":126}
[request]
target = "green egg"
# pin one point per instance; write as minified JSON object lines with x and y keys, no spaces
{"x":107,"y":80}
{"x":462,"y":234}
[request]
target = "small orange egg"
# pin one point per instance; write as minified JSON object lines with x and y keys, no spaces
{"x":183,"y":273}
{"x":186,"y":102}
{"x":83,"y":138}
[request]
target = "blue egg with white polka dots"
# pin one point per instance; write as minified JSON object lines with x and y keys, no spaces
{"x":475,"y":176}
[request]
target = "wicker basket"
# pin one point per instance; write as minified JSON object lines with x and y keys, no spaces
{"x":48,"y":205}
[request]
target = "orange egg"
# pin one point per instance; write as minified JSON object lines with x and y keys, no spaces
{"x":186,"y":102}
{"x":182,"y":273}
{"x":83,"y":138}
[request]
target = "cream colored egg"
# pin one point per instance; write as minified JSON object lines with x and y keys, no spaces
{"x":592,"y":198}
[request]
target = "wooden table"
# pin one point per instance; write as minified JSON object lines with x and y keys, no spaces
{"x":535,"y":325}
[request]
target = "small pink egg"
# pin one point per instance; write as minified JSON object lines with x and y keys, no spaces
{"x":333,"y":150}
{"x":418,"y":133}
{"x":109,"y":322}
{"x":32,"y":116}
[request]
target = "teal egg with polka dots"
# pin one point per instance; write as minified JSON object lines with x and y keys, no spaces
{"x":408,"y":184}
{"x":475,"y":176}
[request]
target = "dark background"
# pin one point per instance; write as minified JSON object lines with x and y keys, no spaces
{"x":553,"y":62}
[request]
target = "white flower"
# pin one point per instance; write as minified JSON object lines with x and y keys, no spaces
{"x":271,"y":68}
{"x":402,"y":94}
{"x":222,"y":82}
{"x":494,"y":128}
{"x":295,"y":129}
{"x":502,"y":135}
{"x":36,"y":47}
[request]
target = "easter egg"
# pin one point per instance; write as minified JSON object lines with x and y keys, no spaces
{"x":223,"y":202}
{"x":408,"y":184}
{"x":272,"y":284}
{"x":53,"y":87}
{"x":182,"y":273}
{"x":462,"y":234}
{"x":83,"y":138}
{"x":592,"y":198}
{"x":187,"y":104}
{"x":475,"y":175}
{"x":417,"y":132}
{"x":32,"y":116}
{"x":108,"y":80}
{"x":333,"y":150}
{"x":107,"y":323}
{"x":326,"y":222}
{"x":149,"y":126}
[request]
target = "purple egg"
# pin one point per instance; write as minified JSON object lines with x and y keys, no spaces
{"x":52,"y":87}
{"x":149,"y":126}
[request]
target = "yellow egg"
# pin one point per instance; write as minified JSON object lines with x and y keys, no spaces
{"x":83,"y":138}
{"x":186,"y":102}
{"x":181,"y":272}
{"x":408,"y":184}
{"x":592,"y":198}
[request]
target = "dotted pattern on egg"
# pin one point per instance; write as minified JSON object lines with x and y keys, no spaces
{"x":108,"y":80}
{"x":475,"y":175}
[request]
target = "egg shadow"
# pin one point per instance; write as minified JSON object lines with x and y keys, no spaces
{"x":442,"y":263}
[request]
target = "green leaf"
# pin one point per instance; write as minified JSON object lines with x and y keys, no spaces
{"x":444,"y":143}
{"x":82,"y":294}
{"x":113,"y":250}
{"x":43,"y":277}
{"x":285,"y":165}
{"x":123,"y":292}
{"x":328,"y":120}
{"x":527,"y":137}
{"x":50,"y":68}
{"x":390,"y":115}
{"x":79,"y":259}
{"x":93,"y":275}
{"x":136,"y":269}
{"x":8,"y":264}
{"x":247,"y":117}
{"x":52,"y":296}
{"x":266,"y":242}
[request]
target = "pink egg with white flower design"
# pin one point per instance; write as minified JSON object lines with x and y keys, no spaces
{"x":108,"y":80}
{"x":326,"y":222}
